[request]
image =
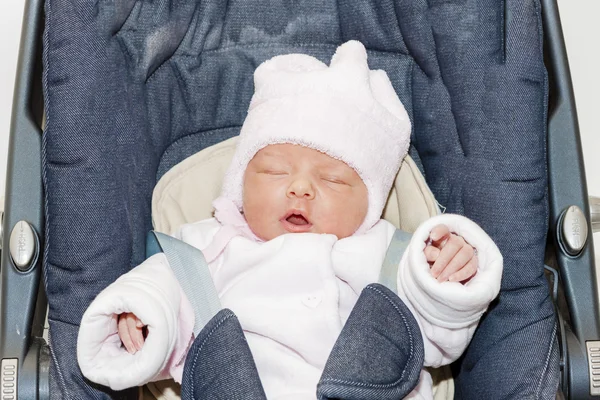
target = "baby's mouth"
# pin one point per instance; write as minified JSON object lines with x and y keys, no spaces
{"x":296,"y":221}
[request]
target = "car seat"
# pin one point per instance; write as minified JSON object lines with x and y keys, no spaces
{"x":133,"y":87}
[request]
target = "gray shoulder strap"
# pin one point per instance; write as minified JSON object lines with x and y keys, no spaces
{"x":191,"y":270}
{"x":388,"y":276}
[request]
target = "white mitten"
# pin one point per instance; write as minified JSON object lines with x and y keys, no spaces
{"x":152,"y":293}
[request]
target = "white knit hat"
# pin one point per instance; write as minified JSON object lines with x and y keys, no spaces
{"x":345,"y":110}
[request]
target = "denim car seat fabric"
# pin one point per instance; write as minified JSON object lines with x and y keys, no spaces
{"x":133,"y":87}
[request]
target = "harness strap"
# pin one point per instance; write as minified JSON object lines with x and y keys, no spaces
{"x":192,"y":273}
{"x":389,"y":269}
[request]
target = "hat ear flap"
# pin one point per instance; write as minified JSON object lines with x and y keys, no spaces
{"x":349,"y":71}
{"x":350,"y":53}
{"x":384,"y":93}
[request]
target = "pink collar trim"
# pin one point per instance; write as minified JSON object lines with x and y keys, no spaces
{"x":232,"y":223}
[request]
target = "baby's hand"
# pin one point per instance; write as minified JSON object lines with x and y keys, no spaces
{"x":131,"y":332}
{"x":450,"y":256}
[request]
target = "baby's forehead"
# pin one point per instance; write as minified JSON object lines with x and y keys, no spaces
{"x":295,"y":152}
{"x":295,"y":156}
{"x":298,"y":155}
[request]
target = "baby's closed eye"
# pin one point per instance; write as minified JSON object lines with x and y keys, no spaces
{"x":334,"y":179}
{"x":276,"y":172}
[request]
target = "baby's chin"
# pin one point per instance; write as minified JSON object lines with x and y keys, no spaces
{"x":267,"y":236}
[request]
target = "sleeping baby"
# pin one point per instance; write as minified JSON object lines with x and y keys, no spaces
{"x":297,"y":237}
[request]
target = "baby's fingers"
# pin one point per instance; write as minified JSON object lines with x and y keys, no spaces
{"x":123,"y":330}
{"x":439,"y":235}
{"x":451,"y":248}
{"x":135,"y":332}
{"x":460,"y":261}
{"x":431,"y":254}
{"x":465,"y":273}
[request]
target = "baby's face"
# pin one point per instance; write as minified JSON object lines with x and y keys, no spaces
{"x":291,"y":189}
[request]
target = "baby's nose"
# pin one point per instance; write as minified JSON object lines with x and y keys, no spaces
{"x":302,"y":188}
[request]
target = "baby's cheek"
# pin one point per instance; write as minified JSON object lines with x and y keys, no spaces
{"x":257,"y":226}
{"x":341,"y":223}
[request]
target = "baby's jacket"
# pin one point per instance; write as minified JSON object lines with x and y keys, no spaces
{"x":292,"y":296}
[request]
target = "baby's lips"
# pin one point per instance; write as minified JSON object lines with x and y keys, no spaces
{"x":297,"y":214}
{"x":296,"y":221}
